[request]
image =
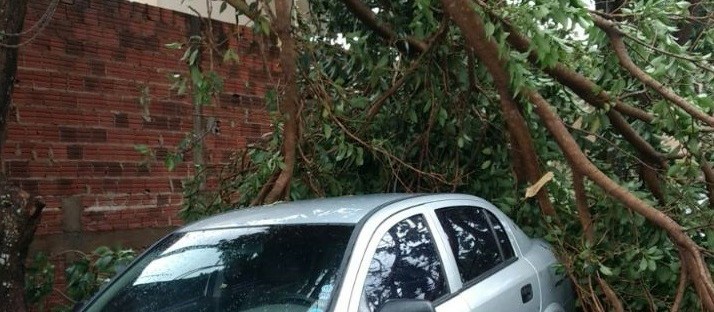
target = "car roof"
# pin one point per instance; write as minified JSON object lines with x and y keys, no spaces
{"x":336,"y":210}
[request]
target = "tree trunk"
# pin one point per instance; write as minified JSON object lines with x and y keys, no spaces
{"x":19,"y":216}
{"x":19,"y":212}
{"x":12,"y":17}
{"x":288,"y":101}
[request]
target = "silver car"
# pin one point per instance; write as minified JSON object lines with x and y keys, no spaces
{"x":389,"y":252}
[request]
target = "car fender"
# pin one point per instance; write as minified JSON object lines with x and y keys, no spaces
{"x":554,"y":307}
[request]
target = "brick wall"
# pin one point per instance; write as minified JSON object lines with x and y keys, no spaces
{"x":77,"y":112}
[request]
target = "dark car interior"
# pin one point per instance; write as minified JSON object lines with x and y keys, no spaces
{"x":282,"y":267}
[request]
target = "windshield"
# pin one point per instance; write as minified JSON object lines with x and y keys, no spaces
{"x":268,"y":268}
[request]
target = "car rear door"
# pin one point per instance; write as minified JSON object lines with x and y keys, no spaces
{"x":493,"y":275}
{"x":404,"y":261}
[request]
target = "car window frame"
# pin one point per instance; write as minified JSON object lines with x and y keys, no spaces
{"x":376,"y":236}
{"x":490,"y":216}
{"x":498,"y":267}
{"x":457,"y":285}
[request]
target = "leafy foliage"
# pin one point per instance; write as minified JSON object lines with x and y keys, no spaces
{"x":84,"y":276}
{"x":39,"y":279}
{"x":379,"y":117}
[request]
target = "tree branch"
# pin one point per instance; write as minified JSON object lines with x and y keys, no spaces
{"x":579,"y":160}
{"x":594,"y":95}
{"x":379,"y":102}
{"x":581,"y":203}
{"x":626,"y":62}
{"x":586,"y":222}
{"x":289,"y":101}
{"x":708,"y":178}
{"x":681,"y":285}
{"x":633,"y":112}
{"x":610,"y":294}
{"x":243,"y":7}
{"x":369,"y":18}
{"x":486,"y":50}
{"x":586,"y":89}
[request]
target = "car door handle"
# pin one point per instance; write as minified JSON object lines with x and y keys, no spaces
{"x":527,"y":293}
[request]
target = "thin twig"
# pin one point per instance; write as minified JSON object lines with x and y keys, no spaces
{"x":681,"y":285}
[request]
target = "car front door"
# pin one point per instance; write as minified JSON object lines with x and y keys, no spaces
{"x":493,"y":276}
{"x":404,"y":261}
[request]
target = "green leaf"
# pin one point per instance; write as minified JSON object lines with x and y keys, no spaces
{"x":383,"y":61}
{"x":104,"y":262}
{"x":664,"y":275}
{"x":264,"y":26}
{"x":605,"y":270}
{"x":359,"y":160}
{"x":196,"y":75}
{"x":174,"y":45}
{"x":490,"y":28}
{"x":327,"y":130}
{"x":230,"y":56}
{"x":412,"y":116}
{"x":643,"y":264}
{"x":170,"y":163}
{"x":192,"y":56}
{"x":102,"y":250}
{"x":143,"y":149}
{"x":652,"y":265}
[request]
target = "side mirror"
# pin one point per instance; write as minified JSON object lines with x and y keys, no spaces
{"x":407,"y":305}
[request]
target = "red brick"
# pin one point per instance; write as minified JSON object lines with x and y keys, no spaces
{"x":78,"y":116}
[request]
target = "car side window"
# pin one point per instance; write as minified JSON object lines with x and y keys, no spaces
{"x":474,"y":240}
{"x":405,"y":265}
{"x":503,"y":240}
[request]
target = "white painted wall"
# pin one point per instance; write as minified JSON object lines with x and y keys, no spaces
{"x":200,"y":6}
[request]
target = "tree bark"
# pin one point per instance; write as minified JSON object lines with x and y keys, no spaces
{"x":12,"y":17}
{"x":289,"y":100}
{"x":708,"y":179}
{"x":19,"y":216}
{"x":581,"y":203}
{"x":19,"y":212}
{"x":486,"y":50}
{"x":369,"y":18}
{"x":612,"y":298}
